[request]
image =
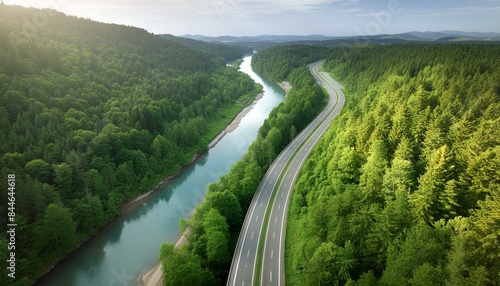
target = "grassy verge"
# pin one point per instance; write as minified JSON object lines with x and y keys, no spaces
{"x":226,"y":115}
{"x":220,"y":121}
{"x":293,"y":231}
{"x":260,"y":249}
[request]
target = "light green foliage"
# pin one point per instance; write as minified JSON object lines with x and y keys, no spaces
{"x":330,"y":264}
{"x":408,"y":173}
{"x":181,"y":267}
{"x":432,"y":184}
{"x":485,"y":222}
{"x":420,"y":245}
{"x":427,"y":274}
{"x":372,"y":172}
{"x":217,"y":233}
{"x":227,"y":205}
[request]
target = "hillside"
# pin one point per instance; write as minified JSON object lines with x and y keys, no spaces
{"x":404,"y":188}
{"x":91,"y":116}
{"x":223,"y":53}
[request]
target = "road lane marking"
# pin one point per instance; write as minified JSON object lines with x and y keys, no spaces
{"x":274,"y":235}
{"x":248,"y":253}
{"x":279,"y":206}
{"x":271,"y":276}
{"x":276,"y":219}
{"x":261,"y":204}
{"x":272,"y":253}
{"x":252,"y":235}
{"x":336,"y":106}
{"x":256,"y":218}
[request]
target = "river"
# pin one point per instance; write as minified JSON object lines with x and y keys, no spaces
{"x":129,"y":246}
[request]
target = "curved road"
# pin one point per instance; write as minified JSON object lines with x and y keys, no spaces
{"x":274,"y":192}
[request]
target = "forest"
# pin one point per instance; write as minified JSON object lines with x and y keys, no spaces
{"x":404,"y":188}
{"x":221,"y":53}
{"x":93,"y":115}
{"x":216,"y":222}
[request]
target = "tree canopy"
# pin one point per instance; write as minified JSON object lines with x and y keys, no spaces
{"x":92,"y":115}
{"x":216,"y":222}
{"x":407,"y":175}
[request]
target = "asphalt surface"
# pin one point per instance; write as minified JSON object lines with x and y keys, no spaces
{"x":286,"y":166}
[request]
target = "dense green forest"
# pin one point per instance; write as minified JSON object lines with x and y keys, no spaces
{"x":216,"y":222}
{"x":92,"y":115}
{"x":222,"y":53}
{"x":404,"y":188}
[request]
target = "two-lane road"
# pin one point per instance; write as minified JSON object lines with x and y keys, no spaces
{"x":280,"y":177}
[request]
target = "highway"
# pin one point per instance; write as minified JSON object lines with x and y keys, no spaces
{"x":274,"y":193}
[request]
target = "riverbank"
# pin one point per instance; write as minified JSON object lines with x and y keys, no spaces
{"x":139,"y":200}
{"x":236,"y":121}
{"x":154,"y":277}
{"x":285,"y":86}
{"x":230,"y":128}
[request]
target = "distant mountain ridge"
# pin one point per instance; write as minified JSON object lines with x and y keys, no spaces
{"x":428,"y":36}
{"x":444,"y":34}
{"x":260,"y":38}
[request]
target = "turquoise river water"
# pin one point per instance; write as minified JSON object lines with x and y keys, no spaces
{"x":129,"y":246}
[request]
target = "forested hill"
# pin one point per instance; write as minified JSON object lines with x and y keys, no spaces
{"x":404,"y":189}
{"x":92,"y":115}
{"x":223,"y":53}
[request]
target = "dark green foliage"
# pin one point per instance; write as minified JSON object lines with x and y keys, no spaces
{"x":278,"y":62}
{"x":92,"y":115}
{"x":222,"y":53}
{"x":56,"y":232}
{"x":408,"y":174}
{"x":216,"y":223}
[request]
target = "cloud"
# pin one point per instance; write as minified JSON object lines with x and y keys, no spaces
{"x":457,"y":11}
{"x":274,"y":6}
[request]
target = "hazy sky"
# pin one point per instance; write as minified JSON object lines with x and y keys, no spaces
{"x":285,"y":17}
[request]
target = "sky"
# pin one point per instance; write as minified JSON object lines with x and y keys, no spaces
{"x":285,"y":17}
